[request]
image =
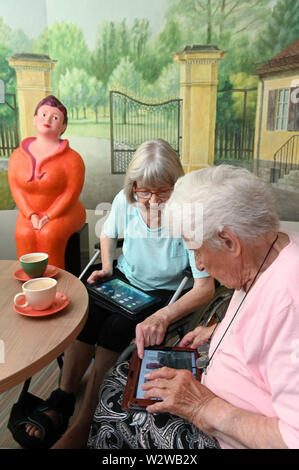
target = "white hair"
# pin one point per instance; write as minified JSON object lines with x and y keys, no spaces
{"x":229,"y":197}
{"x":155,"y":163}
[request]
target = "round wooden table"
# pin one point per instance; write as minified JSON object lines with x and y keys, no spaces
{"x":28,"y":344}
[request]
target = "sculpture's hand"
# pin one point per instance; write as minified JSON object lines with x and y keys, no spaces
{"x":35,"y":221}
{"x":43,"y":221}
{"x":38,"y":222}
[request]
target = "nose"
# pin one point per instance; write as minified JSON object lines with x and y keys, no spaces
{"x":154,"y":199}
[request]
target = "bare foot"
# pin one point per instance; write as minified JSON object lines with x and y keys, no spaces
{"x":34,"y":431}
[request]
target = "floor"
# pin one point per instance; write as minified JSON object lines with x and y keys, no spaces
{"x":41,"y":385}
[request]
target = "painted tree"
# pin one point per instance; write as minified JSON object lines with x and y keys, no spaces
{"x":140,"y":36}
{"x":101,"y":66}
{"x":5,"y":31}
{"x":70,"y":91}
{"x":167,"y":85}
{"x":125,"y":77}
{"x":112,"y":44}
{"x":79,"y":91}
{"x":65,"y":43}
{"x":241,"y":81}
{"x":159,"y":52}
{"x":169,"y":41}
{"x":7,"y":74}
{"x":218,"y":21}
{"x":97,"y":95}
{"x":281,"y":29}
{"x":116,"y":41}
{"x":19,"y":42}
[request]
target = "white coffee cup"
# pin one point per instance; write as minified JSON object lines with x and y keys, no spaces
{"x":39,"y":293}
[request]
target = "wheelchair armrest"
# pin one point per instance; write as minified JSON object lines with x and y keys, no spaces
{"x":187,"y":272}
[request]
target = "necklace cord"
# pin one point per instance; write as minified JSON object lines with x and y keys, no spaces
{"x":254,"y":279}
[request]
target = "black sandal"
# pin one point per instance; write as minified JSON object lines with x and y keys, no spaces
{"x":61,"y":402}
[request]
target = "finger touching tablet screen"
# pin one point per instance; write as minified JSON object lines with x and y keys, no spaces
{"x":155,"y":358}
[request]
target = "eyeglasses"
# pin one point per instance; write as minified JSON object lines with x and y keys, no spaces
{"x":161,"y":193}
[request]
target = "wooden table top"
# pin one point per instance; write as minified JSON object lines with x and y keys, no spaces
{"x":28,"y":343}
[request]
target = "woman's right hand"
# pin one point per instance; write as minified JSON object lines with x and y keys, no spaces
{"x":96,"y":275}
{"x":150,"y":332}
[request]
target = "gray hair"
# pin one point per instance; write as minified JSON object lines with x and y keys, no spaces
{"x":229,"y":197}
{"x":155,"y":163}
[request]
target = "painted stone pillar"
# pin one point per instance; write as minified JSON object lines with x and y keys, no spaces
{"x":198,"y":90}
{"x":33,"y":84}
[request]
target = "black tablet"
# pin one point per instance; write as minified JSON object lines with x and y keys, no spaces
{"x":154,"y":358}
{"x":129,"y":299}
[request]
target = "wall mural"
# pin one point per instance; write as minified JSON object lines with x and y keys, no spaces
{"x":128,"y":45}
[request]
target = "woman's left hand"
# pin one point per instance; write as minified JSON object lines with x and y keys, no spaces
{"x":181,"y":393}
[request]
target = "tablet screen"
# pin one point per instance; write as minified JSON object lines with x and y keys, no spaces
{"x":124,"y":294}
{"x":155,"y":358}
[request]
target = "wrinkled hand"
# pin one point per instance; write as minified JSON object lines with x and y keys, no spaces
{"x":181,"y":393}
{"x":96,"y":275}
{"x":197,"y":337}
{"x":38,"y":222}
{"x":150,"y":332}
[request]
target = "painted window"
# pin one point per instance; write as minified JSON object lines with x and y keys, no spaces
{"x":282,"y":109}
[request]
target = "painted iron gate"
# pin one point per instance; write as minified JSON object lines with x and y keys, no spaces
{"x":234,"y":134}
{"x":9,"y":137}
{"x":132,"y":122}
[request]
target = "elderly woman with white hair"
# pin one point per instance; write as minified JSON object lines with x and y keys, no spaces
{"x":247,"y":396}
{"x":152,"y":261}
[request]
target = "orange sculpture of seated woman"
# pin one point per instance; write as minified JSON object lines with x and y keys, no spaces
{"x":46,"y":178}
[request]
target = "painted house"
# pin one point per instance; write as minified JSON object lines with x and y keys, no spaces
{"x":277,"y":120}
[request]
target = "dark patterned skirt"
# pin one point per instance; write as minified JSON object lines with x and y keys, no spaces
{"x":115,"y":428}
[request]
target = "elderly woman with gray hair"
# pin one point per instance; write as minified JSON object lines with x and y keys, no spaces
{"x":247,"y":396}
{"x":152,"y":261}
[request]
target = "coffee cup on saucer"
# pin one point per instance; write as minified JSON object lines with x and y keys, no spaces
{"x":34,"y":264}
{"x":38,"y":293}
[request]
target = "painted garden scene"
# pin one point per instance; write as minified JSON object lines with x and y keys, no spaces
{"x":119,"y":70}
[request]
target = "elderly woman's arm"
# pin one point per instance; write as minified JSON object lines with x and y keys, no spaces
{"x":241,"y":428}
{"x":108,"y":247}
{"x":151,"y":331}
{"x":184,"y":396}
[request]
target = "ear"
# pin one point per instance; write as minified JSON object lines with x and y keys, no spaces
{"x":230,"y":242}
